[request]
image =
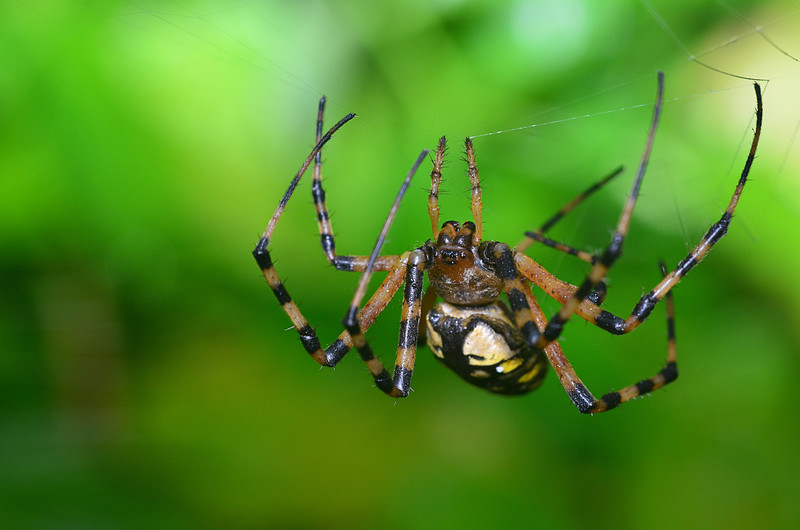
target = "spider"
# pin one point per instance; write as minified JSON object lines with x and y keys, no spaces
{"x":504,"y":348}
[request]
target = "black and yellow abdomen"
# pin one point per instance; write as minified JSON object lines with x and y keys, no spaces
{"x":484,"y":347}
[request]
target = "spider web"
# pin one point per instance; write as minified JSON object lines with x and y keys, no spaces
{"x":296,"y":55}
{"x":267,"y":42}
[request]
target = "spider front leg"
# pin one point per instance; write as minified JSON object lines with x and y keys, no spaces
{"x":334,"y":353}
{"x":618,"y":326}
{"x":613,"y":251}
{"x":327,"y":240}
{"x":364,"y":318}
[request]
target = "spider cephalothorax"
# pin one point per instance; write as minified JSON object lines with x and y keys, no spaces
{"x":502,"y":348}
{"x":459,"y":270}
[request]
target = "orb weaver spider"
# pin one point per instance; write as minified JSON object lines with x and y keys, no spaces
{"x":502,"y":348}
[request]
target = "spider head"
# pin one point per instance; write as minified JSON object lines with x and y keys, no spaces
{"x":454,"y":244}
{"x":457,"y":272}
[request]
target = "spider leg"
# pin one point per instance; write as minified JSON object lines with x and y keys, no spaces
{"x":538,"y":235}
{"x":527,"y":313}
{"x":360,"y":320}
{"x":606,"y":320}
{"x":475,"y":185}
{"x":516,"y":293}
{"x":261,"y":254}
{"x":343,"y":263}
{"x":558,"y":289}
{"x":400,"y":384}
{"x":583,"y":398}
{"x":531,"y":321}
{"x":334,"y":353}
{"x":308,"y":336}
{"x":296,"y":180}
{"x":508,"y":266}
{"x":550,"y":284}
{"x":645,"y":305}
{"x":561,"y":247}
{"x":436,"y":179}
{"x":614,"y":249}
{"x":538,"y":367}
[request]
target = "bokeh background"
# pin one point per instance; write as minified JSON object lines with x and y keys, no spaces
{"x":148,"y":376}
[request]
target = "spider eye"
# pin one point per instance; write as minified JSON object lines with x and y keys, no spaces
{"x":463,"y":240}
{"x":451,"y":256}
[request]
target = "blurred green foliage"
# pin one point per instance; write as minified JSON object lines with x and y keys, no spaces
{"x":147,"y":376}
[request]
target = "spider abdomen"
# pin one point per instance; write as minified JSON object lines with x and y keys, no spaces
{"x":484,"y":347}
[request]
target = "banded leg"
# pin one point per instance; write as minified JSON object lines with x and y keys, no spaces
{"x":560,"y":290}
{"x":334,"y":353}
{"x":612,"y":252}
{"x":531,"y":321}
{"x":398,"y":384}
{"x":562,"y":247}
{"x":552,"y":350}
{"x":538,"y":235}
{"x":574,"y":387}
{"x":646,"y":304}
{"x":583,"y":398}
{"x":506,"y":269}
{"x":308,"y":336}
{"x":528,"y":316}
{"x":526,"y":312}
{"x":296,"y":180}
{"x":342,"y":263}
{"x":642,"y":309}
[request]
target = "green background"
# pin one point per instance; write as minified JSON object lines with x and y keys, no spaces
{"x":147,"y":376}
